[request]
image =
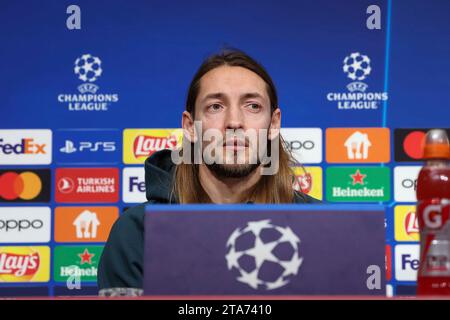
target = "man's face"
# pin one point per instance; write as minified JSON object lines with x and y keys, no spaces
{"x":234,"y":98}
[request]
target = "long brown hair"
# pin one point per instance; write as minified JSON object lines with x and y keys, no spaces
{"x":275,"y":188}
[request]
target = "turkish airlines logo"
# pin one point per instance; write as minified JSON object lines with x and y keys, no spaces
{"x":19,"y":147}
{"x":87,"y":185}
{"x":66,"y":185}
{"x":25,"y":185}
{"x":358,"y":145}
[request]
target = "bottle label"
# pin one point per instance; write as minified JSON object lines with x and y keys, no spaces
{"x":434,"y":225}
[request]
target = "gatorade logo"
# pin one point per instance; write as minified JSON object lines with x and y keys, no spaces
{"x":19,"y":147}
{"x":434,"y":215}
{"x":139,"y":144}
{"x":357,"y":145}
{"x":25,"y":185}
{"x":409,"y":144}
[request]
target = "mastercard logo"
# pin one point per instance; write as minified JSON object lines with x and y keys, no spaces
{"x":24,"y":185}
{"x":413,"y":144}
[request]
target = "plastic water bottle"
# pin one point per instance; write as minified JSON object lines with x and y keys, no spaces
{"x":433,"y":207}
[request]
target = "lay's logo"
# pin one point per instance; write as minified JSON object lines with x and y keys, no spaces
{"x":411,"y":224}
{"x":19,"y":265}
{"x":146,"y":145}
{"x":24,"y":264}
{"x":139,"y":144}
{"x":309,"y":181}
{"x":406,"y":223}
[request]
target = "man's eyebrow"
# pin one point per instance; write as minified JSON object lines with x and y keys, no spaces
{"x":217,"y":95}
{"x":220,"y":95}
{"x":251,"y":95}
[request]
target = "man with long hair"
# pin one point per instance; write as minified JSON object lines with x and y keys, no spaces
{"x":231,"y":94}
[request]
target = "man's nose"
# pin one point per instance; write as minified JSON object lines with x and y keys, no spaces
{"x":234,"y":119}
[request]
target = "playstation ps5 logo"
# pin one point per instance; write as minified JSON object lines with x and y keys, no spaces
{"x":88,"y":146}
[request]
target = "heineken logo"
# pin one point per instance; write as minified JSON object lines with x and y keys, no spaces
{"x":358,"y":184}
{"x":86,"y":257}
{"x":77,"y":261}
{"x":358,"y":177}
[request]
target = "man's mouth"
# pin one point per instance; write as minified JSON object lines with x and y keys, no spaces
{"x":235,"y":144}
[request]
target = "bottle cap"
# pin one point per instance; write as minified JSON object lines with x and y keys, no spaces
{"x":436,"y":145}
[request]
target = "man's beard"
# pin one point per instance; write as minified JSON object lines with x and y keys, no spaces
{"x":232,"y":170}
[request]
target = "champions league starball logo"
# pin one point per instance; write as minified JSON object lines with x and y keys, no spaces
{"x":263,"y":255}
{"x":88,"y":68}
{"x":357,"y":67}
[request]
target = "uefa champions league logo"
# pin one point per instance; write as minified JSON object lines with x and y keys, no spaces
{"x":357,"y":66}
{"x":263,"y":255}
{"x":88,"y":68}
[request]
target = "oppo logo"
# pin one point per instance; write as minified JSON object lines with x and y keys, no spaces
{"x":295,"y":145}
{"x":19,"y":225}
{"x":409,"y":183}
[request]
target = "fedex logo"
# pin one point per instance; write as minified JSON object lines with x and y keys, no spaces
{"x":25,"y":147}
{"x":133,"y":185}
{"x":136,"y":184}
{"x":406,"y":262}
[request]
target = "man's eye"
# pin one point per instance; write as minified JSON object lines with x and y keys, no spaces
{"x":214,"y":107}
{"x":254,"y":107}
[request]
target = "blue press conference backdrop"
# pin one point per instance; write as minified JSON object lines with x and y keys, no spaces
{"x":149,"y":51}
